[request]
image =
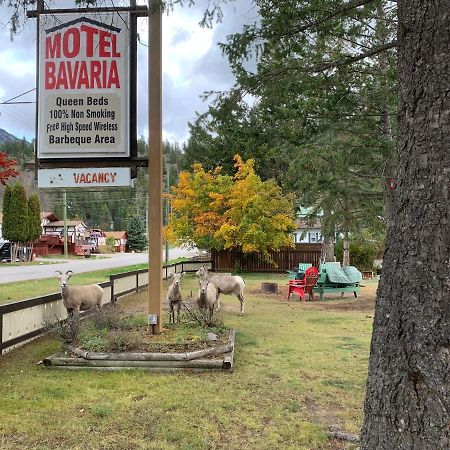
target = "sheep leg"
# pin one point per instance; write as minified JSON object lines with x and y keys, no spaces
{"x":218,"y":302}
{"x":171,"y":313}
{"x":178,"y":312}
{"x":240,"y":297}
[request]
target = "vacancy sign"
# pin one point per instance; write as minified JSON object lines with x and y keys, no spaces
{"x":92,"y":178}
{"x":83,"y":86}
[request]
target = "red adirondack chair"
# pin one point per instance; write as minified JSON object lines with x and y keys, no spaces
{"x":305,"y":286}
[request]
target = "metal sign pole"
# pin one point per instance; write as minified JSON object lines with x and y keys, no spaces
{"x":155,"y":165}
{"x":66,"y":253}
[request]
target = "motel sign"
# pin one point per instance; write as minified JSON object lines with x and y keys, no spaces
{"x":83,"y":84}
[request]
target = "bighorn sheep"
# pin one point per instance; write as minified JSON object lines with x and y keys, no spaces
{"x":174,"y":296}
{"x":207,"y":296}
{"x":226,"y":284}
{"x":75,"y":297}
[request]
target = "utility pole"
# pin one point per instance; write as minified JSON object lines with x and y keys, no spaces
{"x":155,"y":166}
{"x":166,"y":222}
{"x":66,"y":254}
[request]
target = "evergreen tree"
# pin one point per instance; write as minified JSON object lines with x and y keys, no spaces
{"x":15,"y":210}
{"x":34,"y":229}
{"x":22,"y":151}
{"x":7,"y":223}
{"x":137,"y":240}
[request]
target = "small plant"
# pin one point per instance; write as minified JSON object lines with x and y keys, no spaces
{"x":203,"y":317}
{"x":122,"y":341}
{"x":101,"y":411}
{"x":109,"y":318}
{"x":94,"y":339}
{"x":132,"y":322}
{"x":67,"y":330}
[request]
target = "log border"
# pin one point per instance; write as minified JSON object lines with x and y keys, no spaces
{"x":222,"y":359}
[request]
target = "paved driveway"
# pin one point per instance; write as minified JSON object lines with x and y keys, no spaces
{"x":31,"y":272}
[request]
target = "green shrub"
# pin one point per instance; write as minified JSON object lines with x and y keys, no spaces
{"x":110,"y":244}
{"x":362,"y":255}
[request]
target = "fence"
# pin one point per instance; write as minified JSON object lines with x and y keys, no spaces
{"x":284,"y":259}
{"x":24,"y":320}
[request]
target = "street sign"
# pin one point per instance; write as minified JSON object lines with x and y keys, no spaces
{"x":85,"y":177}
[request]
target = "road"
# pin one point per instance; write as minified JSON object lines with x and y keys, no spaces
{"x":36,"y":271}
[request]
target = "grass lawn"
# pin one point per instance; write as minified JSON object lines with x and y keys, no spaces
{"x":299,"y":368}
{"x":21,"y":290}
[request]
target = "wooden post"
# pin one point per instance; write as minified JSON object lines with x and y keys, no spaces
{"x":155,"y":165}
{"x":66,"y":253}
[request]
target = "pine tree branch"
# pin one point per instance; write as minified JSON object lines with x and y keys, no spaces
{"x":353,"y":4}
{"x":352,"y":59}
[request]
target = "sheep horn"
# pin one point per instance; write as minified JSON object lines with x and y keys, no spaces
{"x":69,"y":273}
{"x":58,"y":271}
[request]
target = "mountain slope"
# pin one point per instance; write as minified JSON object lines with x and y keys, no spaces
{"x":6,"y":137}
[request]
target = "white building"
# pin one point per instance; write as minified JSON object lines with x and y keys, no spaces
{"x":308,"y":231}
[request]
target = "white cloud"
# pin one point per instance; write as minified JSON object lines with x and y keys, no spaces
{"x":192,"y":64}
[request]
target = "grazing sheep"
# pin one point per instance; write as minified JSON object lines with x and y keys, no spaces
{"x":207,"y":296}
{"x":174,"y":296}
{"x":226,"y":284}
{"x":75,"y":297}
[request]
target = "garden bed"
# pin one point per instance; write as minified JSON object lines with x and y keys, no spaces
{"x":109,"y":341}
{"x":217,"y":357}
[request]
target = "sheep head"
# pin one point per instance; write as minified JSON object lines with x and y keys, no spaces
{"x":64,"y":278}
{"x":202,"y":272}
{"x":203,"y":284}
{"x":177,"y":278}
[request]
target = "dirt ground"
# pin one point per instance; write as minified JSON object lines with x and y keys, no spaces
{"x":364,"y":302}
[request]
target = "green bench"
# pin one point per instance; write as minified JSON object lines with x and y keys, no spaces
{"x":334,"y":278}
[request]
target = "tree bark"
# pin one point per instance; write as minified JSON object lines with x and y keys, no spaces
{"x":408,"y":397}
{"x":328,"y":249}
{"x":346,"y":248}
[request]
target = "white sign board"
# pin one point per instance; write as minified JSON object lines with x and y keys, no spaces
{"x":83,"y":85}
{"x":86,"y":177}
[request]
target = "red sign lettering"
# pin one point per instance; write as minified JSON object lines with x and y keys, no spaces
{"x":95,"y":66}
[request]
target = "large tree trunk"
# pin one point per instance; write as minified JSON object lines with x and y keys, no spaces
{"x":408,"y":395}
{"x":328,"y":248}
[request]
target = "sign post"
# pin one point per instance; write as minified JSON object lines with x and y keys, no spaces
{"x":155,"y":165}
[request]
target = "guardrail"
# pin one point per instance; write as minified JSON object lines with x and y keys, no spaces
{"x":25,"y":320}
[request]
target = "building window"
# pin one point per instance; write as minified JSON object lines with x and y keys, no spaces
{"x":313,"y":237}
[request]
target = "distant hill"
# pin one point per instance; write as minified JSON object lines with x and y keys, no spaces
{"x":6,"y":137}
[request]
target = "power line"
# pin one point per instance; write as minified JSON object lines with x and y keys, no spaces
{"x":8,"y":102}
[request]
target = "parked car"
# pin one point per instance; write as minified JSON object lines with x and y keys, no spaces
{"x":5,"y":252}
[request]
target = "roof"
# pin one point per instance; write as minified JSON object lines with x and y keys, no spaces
{"x":304,"y":225}
{"x":116,"y":234}
{"x":70,"y":223}
{"x":49,"y":215}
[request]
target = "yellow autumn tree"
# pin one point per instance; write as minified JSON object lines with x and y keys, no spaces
{"x":198,"y":207}
{"x":211,"y":210}
{"x":259,"y":217}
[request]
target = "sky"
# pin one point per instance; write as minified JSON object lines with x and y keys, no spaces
{"x":192,"y":64}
